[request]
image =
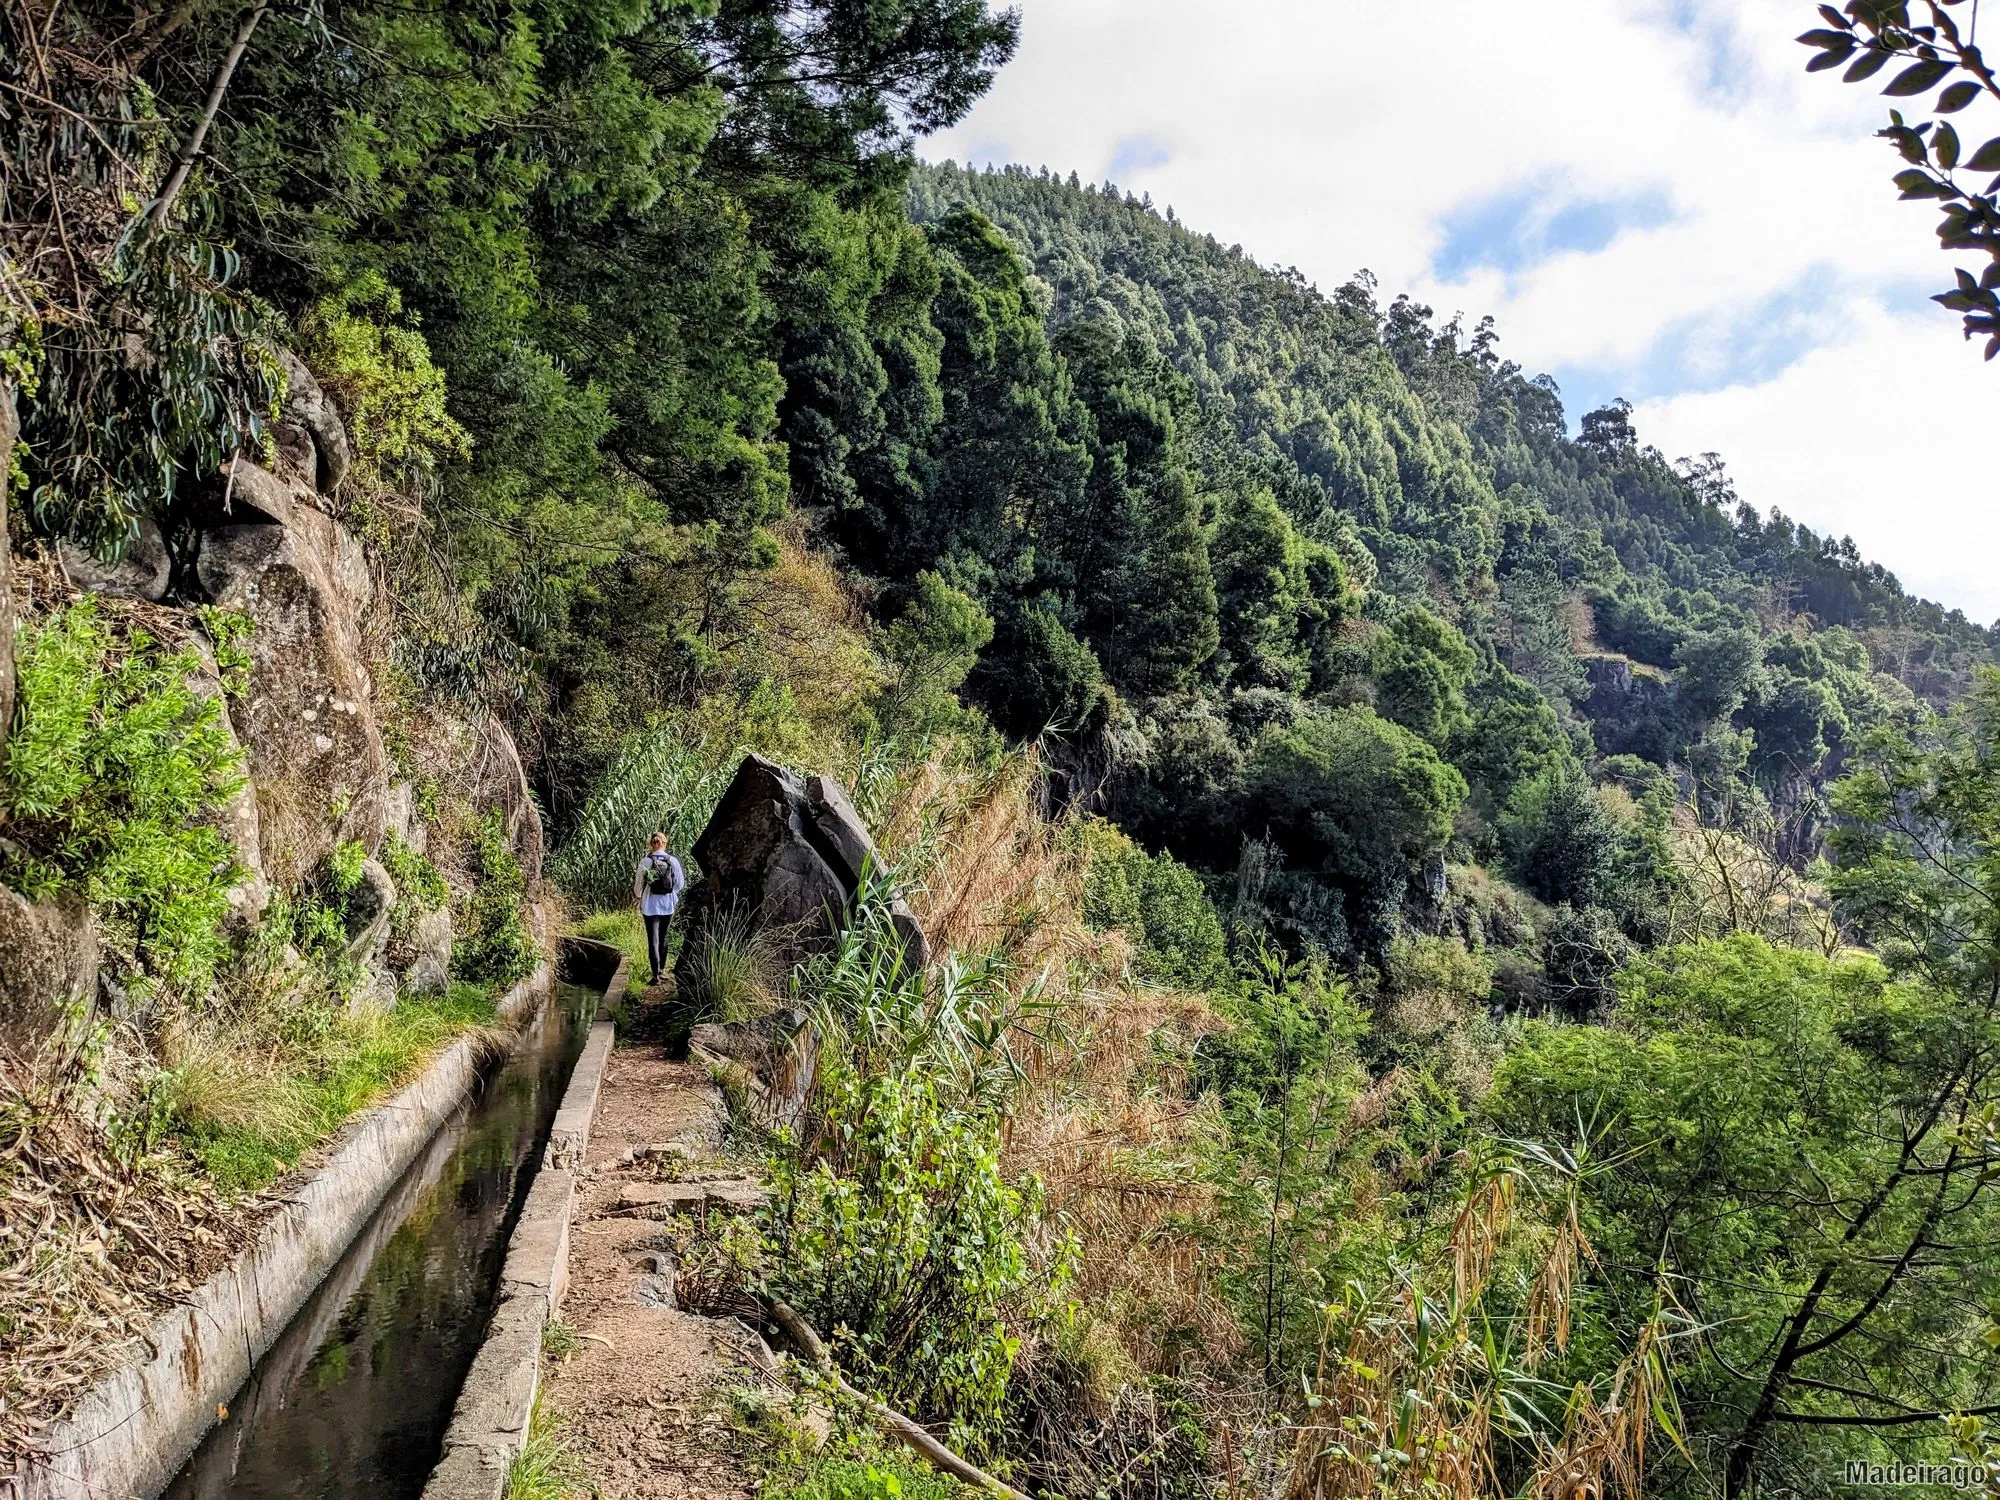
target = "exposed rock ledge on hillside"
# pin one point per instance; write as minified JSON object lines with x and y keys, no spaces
{"x":307,"y":719}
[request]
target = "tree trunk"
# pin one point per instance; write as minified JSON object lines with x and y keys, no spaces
{"x":9,"y":426}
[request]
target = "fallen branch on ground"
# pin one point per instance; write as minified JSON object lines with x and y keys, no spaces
{"x":913,"y":1435}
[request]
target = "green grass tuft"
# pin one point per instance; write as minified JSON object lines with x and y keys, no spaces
{"x":546,"y":1469}
{"x":734,"y":972}
{"x":625,"y":930}
{"x":250,"y":1123}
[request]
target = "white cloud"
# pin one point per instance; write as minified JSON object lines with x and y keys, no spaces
{"x":1814,"y":442}
{"x":1316,"y":135}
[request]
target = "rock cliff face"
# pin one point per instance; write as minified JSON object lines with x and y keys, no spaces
{"x":1628,"y":707}
{"x":310,"y":737}
{"x":48,"y":981}
{"x":270,"y":544}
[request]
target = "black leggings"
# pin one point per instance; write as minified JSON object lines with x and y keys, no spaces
{"x":656,"y":944}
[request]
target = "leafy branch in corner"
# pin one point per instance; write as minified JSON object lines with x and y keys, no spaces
{"x":1867,"y":37}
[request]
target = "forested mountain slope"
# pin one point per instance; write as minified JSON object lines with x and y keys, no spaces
{"x":1267,"y":534}
{"x":1400,"y":875}
{"x":1455,"y":466}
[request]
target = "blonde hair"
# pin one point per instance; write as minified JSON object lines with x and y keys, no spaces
{"x":658,"y":841}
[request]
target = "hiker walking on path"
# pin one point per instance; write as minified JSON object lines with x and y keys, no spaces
{"x":658,"y":886}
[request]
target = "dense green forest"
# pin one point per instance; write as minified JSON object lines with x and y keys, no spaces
{"x":1470,"y":952}
{"x":1413,"y":567}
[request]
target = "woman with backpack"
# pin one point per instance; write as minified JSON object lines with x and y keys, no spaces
{"x":658,"y":887}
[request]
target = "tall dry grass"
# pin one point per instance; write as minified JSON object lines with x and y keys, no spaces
{"x":1410,"y":1398}
{"x":1413,"y":1396}
{"x":1104,"y":1114}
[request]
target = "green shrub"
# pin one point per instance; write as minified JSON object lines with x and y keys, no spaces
{"x":901,"y":1241}
{"x":733,"y":970}
{"x":392,"y":393}
{"x":227,"y":631}
{"x":317,"y":918}
{"x":419,"y":886}
{"x":931,"y":649}
{"x":113,"y":763}
{"x":893,"y":1230}
{"x":545,"y":1468}
{"x":1160,"y":905}
{"x":867,"y":1473}
{"x":497,"y":948}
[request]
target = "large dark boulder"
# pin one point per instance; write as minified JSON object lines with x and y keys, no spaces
{"x":793,"y":855}
{"x":237,"y":820}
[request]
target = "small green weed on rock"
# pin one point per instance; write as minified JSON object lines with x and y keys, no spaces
{"x":497,"y":947}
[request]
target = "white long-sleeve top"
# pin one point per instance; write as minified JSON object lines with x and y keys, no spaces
{"x":650,"y":904}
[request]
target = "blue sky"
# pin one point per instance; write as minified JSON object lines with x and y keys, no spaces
{"x":1523,"y":226}
{"x":1650,"y":196}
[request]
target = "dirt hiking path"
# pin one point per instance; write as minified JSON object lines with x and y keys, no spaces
{"x":645,"y":1397}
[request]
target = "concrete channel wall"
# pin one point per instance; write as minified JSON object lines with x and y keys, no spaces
{"x":136,"y":1427}
{"x":489,"y":1426}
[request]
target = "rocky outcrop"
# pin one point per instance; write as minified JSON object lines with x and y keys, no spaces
{"x":793,"y":854}
{"x":266,"y":540}
{"x":500,"y":786}
{"x":141,"y":571}
{"x":266,"y":545}
{"x":307,"y":720}
{"x":369,"y":908}
{"x":400,"y":816}
{"x":429,"y":970}
{"x":475,"y":761}
{"x":310,"y":431}
{"x":1630,"y":706}
{"x":771,"y":1057}
{"x":48,"y":983}
{"x":237,"y":819}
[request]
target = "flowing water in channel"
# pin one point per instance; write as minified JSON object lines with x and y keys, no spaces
{"x":353,"y":1400}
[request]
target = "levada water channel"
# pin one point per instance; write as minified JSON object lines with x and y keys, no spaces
{"x":353,"y":1400}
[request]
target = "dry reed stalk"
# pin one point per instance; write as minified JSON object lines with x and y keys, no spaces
{"x":1102,"y":1116}
{"x":1549,"y":1298}
{"x":1475,"y":1237}
{"x":1371,"y":1395}
{"x":1603,"y":1445}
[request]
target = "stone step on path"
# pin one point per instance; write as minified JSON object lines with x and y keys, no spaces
{"x":645,"y":1398}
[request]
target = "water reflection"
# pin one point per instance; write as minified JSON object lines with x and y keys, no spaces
{"x":352,"y":1402}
